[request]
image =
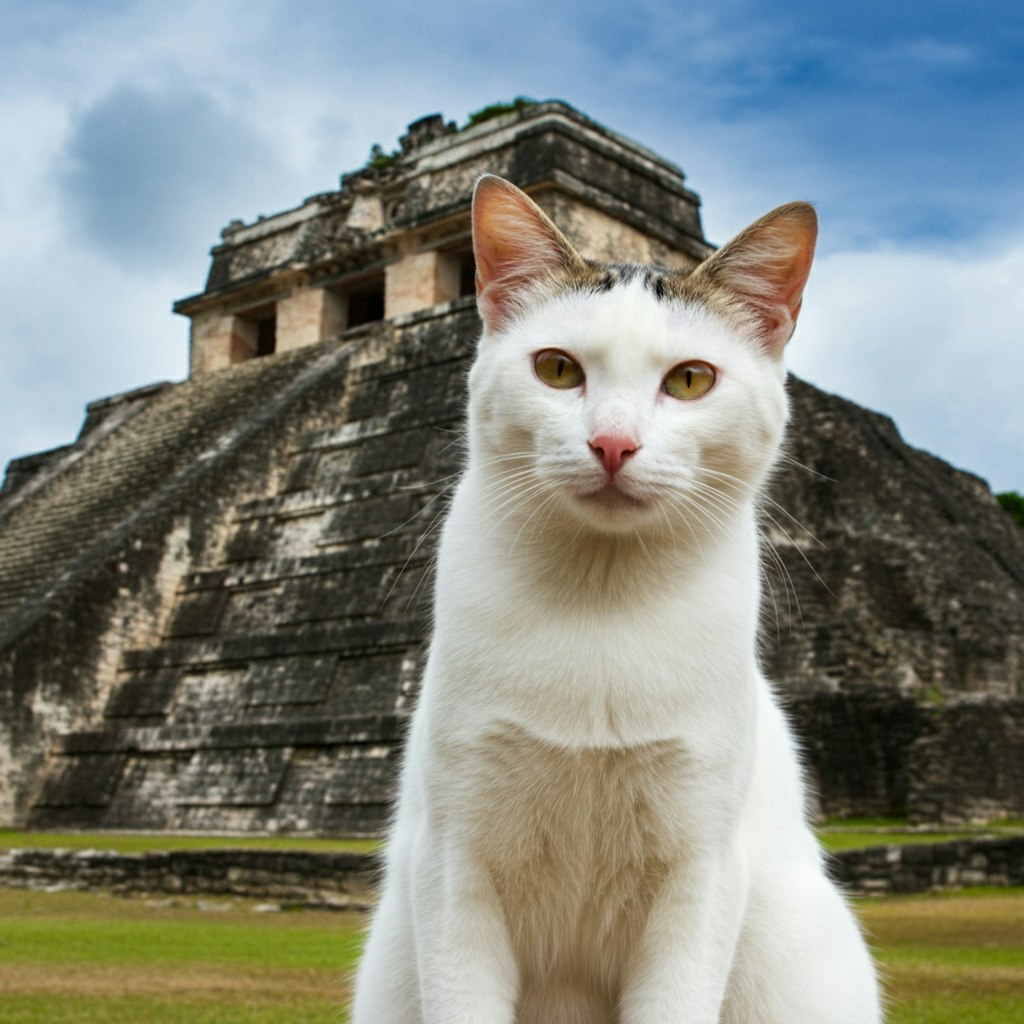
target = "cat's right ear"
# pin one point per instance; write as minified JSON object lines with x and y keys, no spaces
{"x":516,"y":247}
{"x":765,"y":268}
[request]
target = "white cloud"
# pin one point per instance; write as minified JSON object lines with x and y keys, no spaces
{"x":931,"y":338}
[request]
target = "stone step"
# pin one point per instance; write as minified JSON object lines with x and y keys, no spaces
{"x":327,"y":683}
{"x":295,"y":732}
{"x":350,"y":638}
{"x":275,"y":604}
{"x":342,"y":788}
{"x":312,"y":501}
{"x":400,"y":549}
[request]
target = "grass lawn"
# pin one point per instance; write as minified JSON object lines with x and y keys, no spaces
{"x":94,"y":959}
{"x":147,"y":842}
{"x":856,"y":833}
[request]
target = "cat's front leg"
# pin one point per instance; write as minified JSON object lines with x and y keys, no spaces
{"x":681,"y":969}
{"x":467,"y":970}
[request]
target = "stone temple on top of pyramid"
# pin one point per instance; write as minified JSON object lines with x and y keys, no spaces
{"x":214,"y":601}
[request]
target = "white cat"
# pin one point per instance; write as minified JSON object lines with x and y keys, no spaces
{"x":601,"y":817}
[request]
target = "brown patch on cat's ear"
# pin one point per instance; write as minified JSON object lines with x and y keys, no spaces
{"x":517,"y":249}
{"x":759,"y":276}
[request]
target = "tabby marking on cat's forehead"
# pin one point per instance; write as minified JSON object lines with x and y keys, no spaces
{"x":596,"y":278}
{"x":590,"y":277}
{"x":600,"y":278}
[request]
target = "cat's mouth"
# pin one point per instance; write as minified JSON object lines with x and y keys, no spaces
{"x":613,"y":499}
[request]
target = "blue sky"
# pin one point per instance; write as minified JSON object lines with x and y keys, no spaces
{"x":131,"y":132}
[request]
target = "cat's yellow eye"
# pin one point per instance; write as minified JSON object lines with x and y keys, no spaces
{"x":557,"y":370}
{"x":690,"y":380}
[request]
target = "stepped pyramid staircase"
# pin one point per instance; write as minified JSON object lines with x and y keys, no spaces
{"x":275,"y":697}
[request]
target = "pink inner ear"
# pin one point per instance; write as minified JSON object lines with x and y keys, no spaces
{"x":793,"y":278}
{"x":514,"y":244}
{"x":493,"y":246}
{"x":766,"y":267}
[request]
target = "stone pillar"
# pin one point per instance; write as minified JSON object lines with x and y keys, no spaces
{"x":449,"y":276}
{"x":419,"y":280}
{"x":308,"y":315}
{"x":212,"y":338}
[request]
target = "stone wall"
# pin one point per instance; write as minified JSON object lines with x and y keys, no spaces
{"x":92,"y":554}
{"x":887,"y":566}
{"x":928,"y":867}
{"x":338,"y":881}
{"x":273,"y":697}
{"x":345,"y":881}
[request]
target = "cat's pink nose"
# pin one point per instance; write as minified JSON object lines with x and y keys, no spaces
{"x":612,"y":451}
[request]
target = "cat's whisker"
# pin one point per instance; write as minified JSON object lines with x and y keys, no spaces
{"x":495,"y":491}
{"x":430,"y":485}
{"x":431,"y":526}
{"x":689,"y":526}
{"x":428,"y":573}
{"x":692,"y":509}
{"x":419,"y":512}
{"x":766,"y":499}
{"x":764,"y":511}
{"x":497,"y":460}
{"x":710,"y":499}
{"x":719,"y":500}
{"x":775,"y":607}
{"x":787,"y":582}
{"x":799,"y":550}
{"x":517,"y":501}
{"x":789,"y":460}
{"x":547,"y":503}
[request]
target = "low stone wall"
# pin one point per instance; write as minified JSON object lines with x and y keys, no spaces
{"x":337,"y":881}
{"x":344,"y":881}
{"x":926,"y":867}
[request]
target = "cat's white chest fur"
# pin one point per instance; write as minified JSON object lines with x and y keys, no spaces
{"x":598,"y":831}
{"x":601,"y":817}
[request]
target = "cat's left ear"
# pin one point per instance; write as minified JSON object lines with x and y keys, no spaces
{"x":517,"y":249}
{"x":764,"y":269}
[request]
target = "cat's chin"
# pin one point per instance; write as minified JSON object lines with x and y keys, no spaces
{"x":612,"y":508}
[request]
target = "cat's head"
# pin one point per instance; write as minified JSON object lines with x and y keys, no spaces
{"x":629,"y":398}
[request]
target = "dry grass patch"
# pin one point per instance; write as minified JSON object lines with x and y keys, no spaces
{"x":187,"y":982}
{"x":953,"y":958}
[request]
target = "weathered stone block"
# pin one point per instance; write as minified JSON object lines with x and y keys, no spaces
{"x":237,"y":778}
{"x":87,"y":780}
{"x":142,"y":695}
